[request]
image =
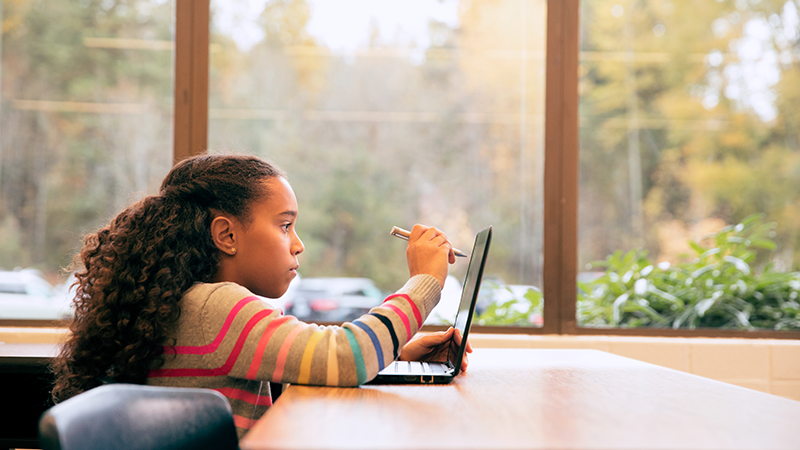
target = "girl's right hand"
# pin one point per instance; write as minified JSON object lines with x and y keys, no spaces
{"x":428,"y":252}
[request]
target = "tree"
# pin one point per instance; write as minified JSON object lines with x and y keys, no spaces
{"x":84,"y":121}
{"x":711,"y":143}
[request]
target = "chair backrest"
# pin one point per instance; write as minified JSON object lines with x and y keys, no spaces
{"x":134,"y":417}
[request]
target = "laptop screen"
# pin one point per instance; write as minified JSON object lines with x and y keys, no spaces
{"x":469,"y":292}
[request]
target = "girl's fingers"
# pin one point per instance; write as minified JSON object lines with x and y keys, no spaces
{"x":441,"y":337}
{"x":434,"y":339}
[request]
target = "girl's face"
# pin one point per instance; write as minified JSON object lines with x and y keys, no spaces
{"x":265,"y":261}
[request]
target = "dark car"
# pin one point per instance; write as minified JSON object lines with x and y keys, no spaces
{"x":333,"y":299}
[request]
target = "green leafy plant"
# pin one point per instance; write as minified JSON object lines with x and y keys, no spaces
{"x":509,"y":305}
{"x":719,"y":288}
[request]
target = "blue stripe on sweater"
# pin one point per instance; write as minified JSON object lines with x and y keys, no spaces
{"x":375,"y":342}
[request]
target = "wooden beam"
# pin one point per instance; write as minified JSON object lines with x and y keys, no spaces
{"x":191,"y":78}
{"x":561,"y":168}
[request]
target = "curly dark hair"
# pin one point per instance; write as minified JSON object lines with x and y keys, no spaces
{"x":134,"y":271}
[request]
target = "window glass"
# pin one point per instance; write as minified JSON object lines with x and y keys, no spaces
{"x":689,"y":210}
{"x":388,"y":113}
{"x":85,"y":127}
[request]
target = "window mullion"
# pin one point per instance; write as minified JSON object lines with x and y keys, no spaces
{"x":191,"y":77}
{"x":561,"y":167}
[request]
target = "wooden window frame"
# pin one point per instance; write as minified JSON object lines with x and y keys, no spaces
{"x":190,"y":131}
{"x":560,"y":168}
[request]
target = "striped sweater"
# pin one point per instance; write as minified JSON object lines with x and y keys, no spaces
{"x":229,"y":340}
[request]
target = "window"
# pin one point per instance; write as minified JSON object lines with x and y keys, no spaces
{"x":689,"y":165}
{"x":390,"y":113}
{"x":85,"y":127}
{"x":437,"y":112}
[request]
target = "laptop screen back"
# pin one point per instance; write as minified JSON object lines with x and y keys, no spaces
{"x":469,"y":292}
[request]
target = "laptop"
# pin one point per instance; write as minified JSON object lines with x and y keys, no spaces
{"x":423,"y":372}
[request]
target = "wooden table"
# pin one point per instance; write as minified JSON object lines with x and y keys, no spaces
{"x":534,"y":399}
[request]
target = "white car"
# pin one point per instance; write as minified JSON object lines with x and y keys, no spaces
{"x":445,"y":311}
{"x":25,"y":294}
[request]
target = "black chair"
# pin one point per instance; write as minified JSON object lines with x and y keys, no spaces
{"x":134,"y":417}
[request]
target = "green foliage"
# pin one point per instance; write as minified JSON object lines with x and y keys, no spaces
{"x":719,"y":288}
{"x":509,"y":307}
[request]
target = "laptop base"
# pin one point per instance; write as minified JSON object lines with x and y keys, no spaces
{"x":413,"y":372}
{"x":411,"y":379}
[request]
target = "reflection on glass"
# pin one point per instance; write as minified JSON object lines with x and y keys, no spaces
{"x":85,"y":125}
{"x":391,"y":113}
{"x":689,"y":164}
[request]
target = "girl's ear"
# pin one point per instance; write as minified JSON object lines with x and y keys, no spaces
{"x":224,"y":235}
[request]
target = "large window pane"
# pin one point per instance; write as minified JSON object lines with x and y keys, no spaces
{"x":390,"y":113}
{"x":690,"y":164}
{"x":85,"y":128}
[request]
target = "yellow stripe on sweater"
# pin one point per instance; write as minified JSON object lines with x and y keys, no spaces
{"x":333,"y":362}
{"x":308,"y":355}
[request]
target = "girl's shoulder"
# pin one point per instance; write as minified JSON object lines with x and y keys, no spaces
{"x":208,"y":309}
{"x":223,"y":288}
{"x":215,"y":295}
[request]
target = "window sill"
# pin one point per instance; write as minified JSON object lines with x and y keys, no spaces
{"x":32,"y":335}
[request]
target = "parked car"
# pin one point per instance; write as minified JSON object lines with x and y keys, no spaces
{"x":493,"y":292}
{"x":444,"y":313}
{"x":508,"y":304}
{"x":333,"y":299}
{"x":25,"y":294}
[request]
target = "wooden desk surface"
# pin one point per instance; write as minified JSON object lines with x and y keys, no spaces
{"x":534,"y":399}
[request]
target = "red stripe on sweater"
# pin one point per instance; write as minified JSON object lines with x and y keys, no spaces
{"x":252,"y":372}
{"x":245,"y":396}
{"x":243,"y":422}
{"x":218,"y":371}
{"x":212,"y":347}
{"x":403,"y":317}
{"x":417,"y":315}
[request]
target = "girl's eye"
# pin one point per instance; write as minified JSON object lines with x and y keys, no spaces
{"x":286,"y":226}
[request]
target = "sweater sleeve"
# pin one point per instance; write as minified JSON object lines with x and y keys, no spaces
{"x":261,"y":343}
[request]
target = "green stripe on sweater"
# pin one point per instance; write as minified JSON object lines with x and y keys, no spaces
{"x":361,"y":370}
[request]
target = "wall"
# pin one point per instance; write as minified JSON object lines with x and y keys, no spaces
{"x":766,"y":365}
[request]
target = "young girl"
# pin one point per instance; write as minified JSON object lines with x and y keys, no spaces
{"x":166,"y":295}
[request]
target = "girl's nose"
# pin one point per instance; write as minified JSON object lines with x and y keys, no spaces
{"x":298,"y":246}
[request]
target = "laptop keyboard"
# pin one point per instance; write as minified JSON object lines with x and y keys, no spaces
{"x":402,"y":367}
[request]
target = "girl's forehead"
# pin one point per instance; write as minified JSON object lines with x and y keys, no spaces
{"x":280,"y":195}
{"x":283,"y":182}
{"x":280,"y":186}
